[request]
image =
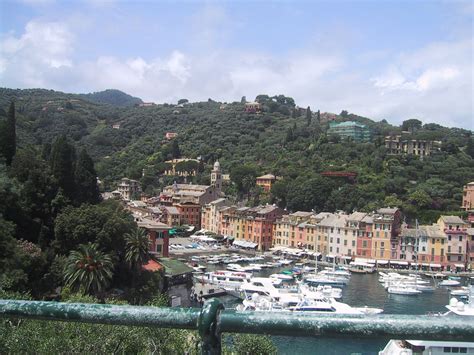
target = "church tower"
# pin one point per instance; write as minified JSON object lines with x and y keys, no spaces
{"x":216,"y":178}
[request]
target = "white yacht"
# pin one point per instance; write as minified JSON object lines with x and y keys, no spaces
{"x":228,"y":280}
{"x":449,"y":282}
{"x":460,"y":308}
{"x":403,"y":289}
{"x":290,"y":304}
{"x":426,"y":347}
{"x":361,"y":268}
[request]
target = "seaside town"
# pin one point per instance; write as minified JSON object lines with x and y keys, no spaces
{"x":239,"y":178}
{"x":380,"y":237}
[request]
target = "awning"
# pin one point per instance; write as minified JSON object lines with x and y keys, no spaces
{"x":346,"y":257}
{"x":435,"y":265}
{"x":364,"y":260}
{"x":382,"y":262}
{"x":399,"y":262}
{"x":244,"y":244}
{"x":330,"y":256}
{"x":459,"y":265}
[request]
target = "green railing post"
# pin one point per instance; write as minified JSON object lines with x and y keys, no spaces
{"x":208,"y":329}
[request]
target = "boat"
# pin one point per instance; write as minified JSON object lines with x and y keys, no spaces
{"x":291,"y":304}
{"x":426,"y":347}
{"x":361,"y":268}
{"x":403,"y":289}
{"x":282,"y":277}
{"x":326,"y":280}
{"x":449,"y":282}
{"x":229,"y":280}
{"x":460,"y":292}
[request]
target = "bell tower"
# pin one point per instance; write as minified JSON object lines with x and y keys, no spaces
{"x":216,"y":177}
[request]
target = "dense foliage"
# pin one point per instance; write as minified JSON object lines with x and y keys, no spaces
{"x":283,"y":139}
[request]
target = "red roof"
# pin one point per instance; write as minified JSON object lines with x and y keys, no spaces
{"x":152,"y":265}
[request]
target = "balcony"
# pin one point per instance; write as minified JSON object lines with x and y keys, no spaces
{"x":213,"y":320}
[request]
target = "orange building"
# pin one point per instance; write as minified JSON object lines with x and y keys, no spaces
{"x":266,"y":181}
{"x":468,"y":197}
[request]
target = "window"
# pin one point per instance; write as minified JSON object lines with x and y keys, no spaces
{"x":158,"y":248}
{"x":353,"y":243}
{"x":449,"y":237}
{"x":460,"y":238}
{"x":345,"y":242}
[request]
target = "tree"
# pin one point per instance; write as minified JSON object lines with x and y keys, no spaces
{"x":87,"y":190}
{"x":470,"y":147}
{"x":63,"y":164}
{"x":243,"y":100}
{"x":88,"y":269}
{"x":318,"y":116}
{"x":104,"y":224}
{"x":243,"y":177}
{"x":253,"y":344}
{"x":309,"y":114}
{"x":175,"y":151}
{"x":182,"y":101}
{"x":411,"y":125}
{"x":136,"y":248}
{"x":8,"y":136}
{"x":344,"y":114}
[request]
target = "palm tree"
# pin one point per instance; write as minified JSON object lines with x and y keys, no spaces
{"x":136,"y":248}
{"x":88,"y":269}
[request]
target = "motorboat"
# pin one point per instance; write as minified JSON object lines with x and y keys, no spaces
{"x":291,"y":304}
{"x":402,"y":289}
{"x":449,"y":282}
{"x":460,"y":308}
{"x":425,"y":347}
{"x":284,"y":277}
{"x":319,"y":279}
{"x":312,"y":292}
{"x":223,"y":278}
{"x":361,"y":268}
{"x":460,"y":292}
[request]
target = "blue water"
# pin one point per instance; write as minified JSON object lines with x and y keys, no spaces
{"x":362,"y":290}
{"x":366,"y":290}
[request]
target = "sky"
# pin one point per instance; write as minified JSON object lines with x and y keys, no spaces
{"x":383,"y":59}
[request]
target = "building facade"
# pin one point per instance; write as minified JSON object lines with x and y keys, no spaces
{"x":355,"y":131}
{"x":266,"y":182}
{"x":468,"y":197}
{"x":129,"y":188}
{"x":397,"y":145}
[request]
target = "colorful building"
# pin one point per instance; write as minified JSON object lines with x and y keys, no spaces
{"x":210,"y":215}
{"x":468,"y":197}
{"x":157,"y":235}
{"x":355,"y":131}
{"x":456,"y":231}
{"x":397,"y":145}
{"x":266,"y":182}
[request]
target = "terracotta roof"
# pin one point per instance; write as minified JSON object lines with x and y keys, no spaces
{"x":152,"y":265}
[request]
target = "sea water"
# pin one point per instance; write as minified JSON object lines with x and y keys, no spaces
{"x":362,"y":290}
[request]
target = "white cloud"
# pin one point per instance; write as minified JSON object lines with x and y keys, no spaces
{"x":433,"y":83}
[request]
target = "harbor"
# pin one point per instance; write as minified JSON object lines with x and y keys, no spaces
{"x":368,"y":290}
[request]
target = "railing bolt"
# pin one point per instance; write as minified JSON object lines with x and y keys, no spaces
{"x":207,"y":327}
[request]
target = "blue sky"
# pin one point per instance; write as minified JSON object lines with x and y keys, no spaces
{"x":384,"y":59}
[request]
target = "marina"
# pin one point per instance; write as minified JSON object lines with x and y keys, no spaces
{"x":289,"y":281}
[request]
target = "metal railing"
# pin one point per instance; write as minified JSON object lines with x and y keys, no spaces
{"x":212,"y":320}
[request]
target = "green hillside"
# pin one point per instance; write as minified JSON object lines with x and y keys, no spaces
{"x":281,"y":140}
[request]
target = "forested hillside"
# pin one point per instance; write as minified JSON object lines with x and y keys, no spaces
{"x":288,"y":142}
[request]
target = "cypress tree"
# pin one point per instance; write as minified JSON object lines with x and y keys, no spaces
{"x":470,"y":147}
{"x":9,"y":135}
{"x":87,"y":190}
{"x":62,"y":166}
{"x":308,"y":115}
{"x":175,"y":151}
{"x":318,"y":116}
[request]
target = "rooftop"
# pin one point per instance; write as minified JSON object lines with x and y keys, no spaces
{"x":452,"y":219}
{"x":174,"y":267}
{"x":267,"y":177}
